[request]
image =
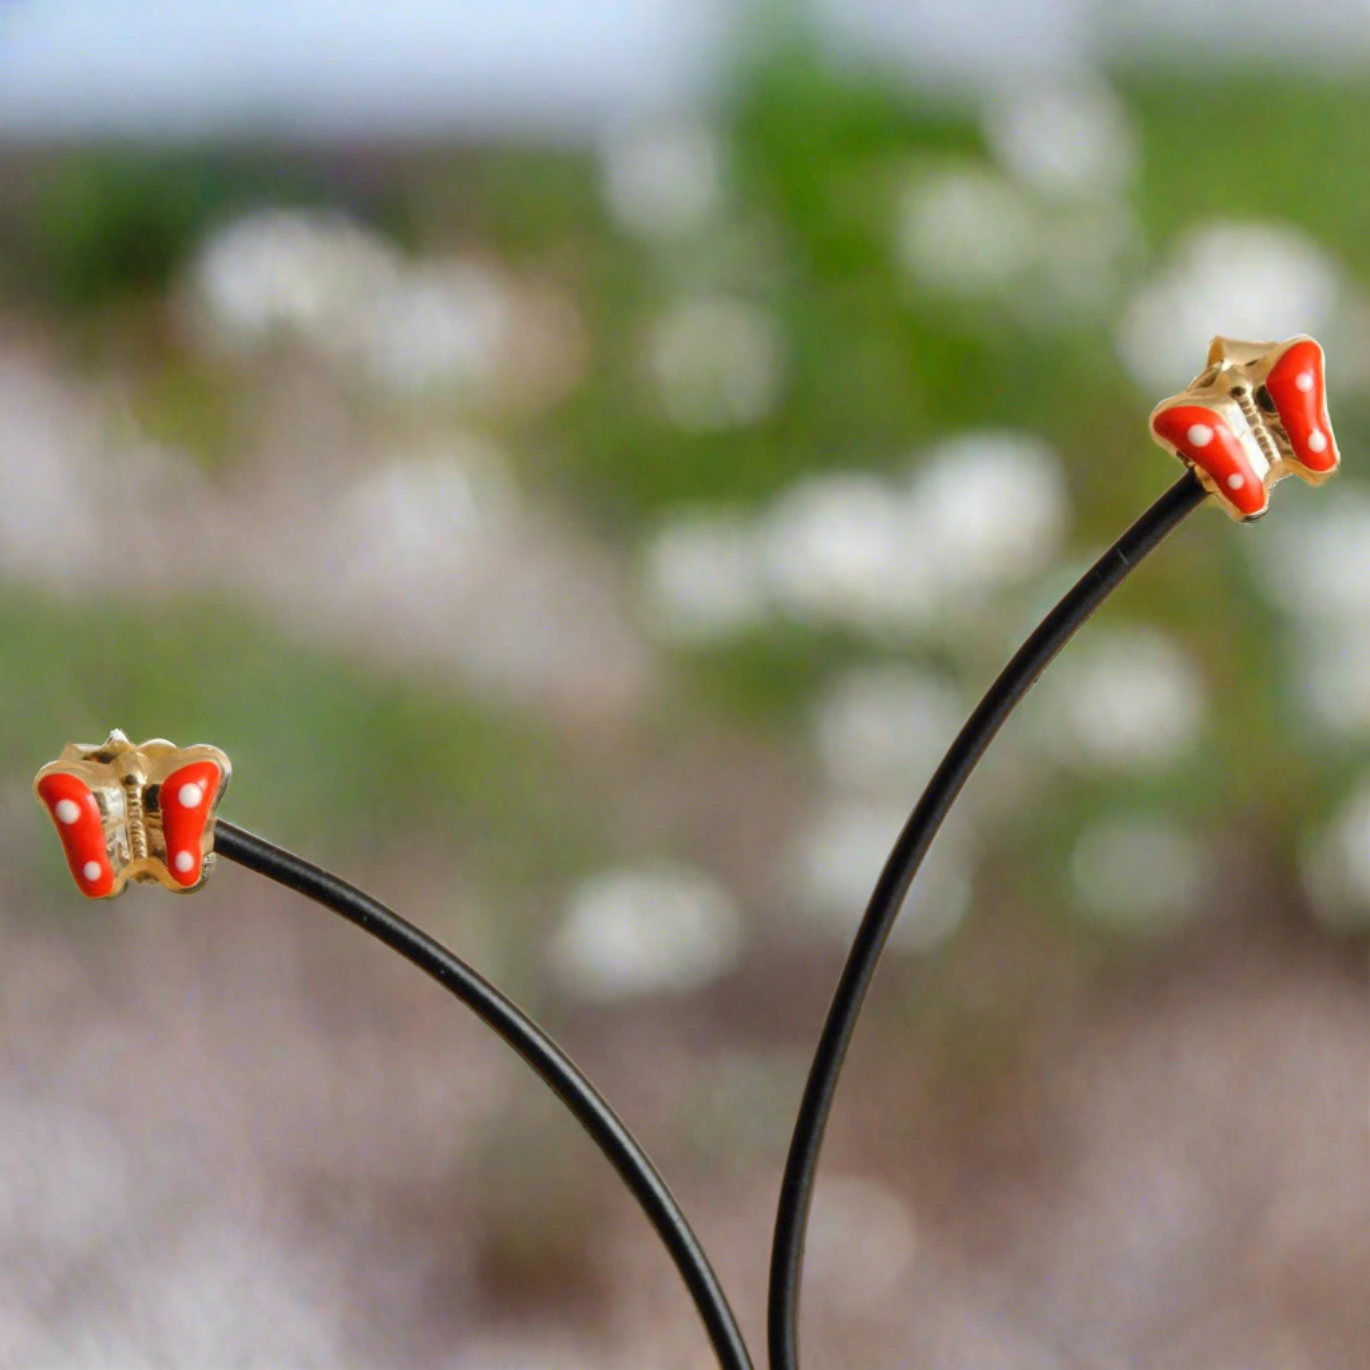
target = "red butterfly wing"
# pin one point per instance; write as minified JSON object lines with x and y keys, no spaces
{"x":1201,"y":436}
{"x":72,"y":805}
{"x":187,"y":800}
{"x":1299,"y":390}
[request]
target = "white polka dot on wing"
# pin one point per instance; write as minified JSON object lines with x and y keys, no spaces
{"x":1236,"y":480}
{"x":67,"y":811}
{"x":1200,"y":434}
{"x":185,"y":862}
{"x":190,"y":795}
{"x":1317,"y":440}
{"x":91,"y":870}
{"x":1304,"y":381}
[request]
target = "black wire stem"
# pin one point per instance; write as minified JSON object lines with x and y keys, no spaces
{"x":530,"y":1041}
{"x":1035,"y":655}
{"x":593,"y":1113}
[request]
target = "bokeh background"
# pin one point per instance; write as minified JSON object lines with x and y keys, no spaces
{"x":582,"y":461}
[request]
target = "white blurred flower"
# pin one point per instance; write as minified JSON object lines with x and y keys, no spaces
{"x":420,"y":520}
{"x":86,"y":502}
{"x":52,"y":495}
{"x":432,"y":558}
{"x":842,"y":549}
{"x":702,"y":577}
{"x":1241,"y":280}
{"x":661,"y":928}
{"x":1336,"y":864}
{"x":1314,"y":565}
{"x":1071,"y":139}
{"x":861,"y":1242}
{"x":1137,"y":872}
{"x":717,"y":363}
{"x":841,"y":854}
{"x":995,"y":503}
{"x":449,"y":325}
{"x":883,"y":728}
{"x":972,"y":233}
{"x":1125,"y":699}
{"x":315,"y":273}
{"x":967,"y":230}
{"x":854,"y":550}
{"x":663,"y":180}
{"x":442,"y":326}
{"x":1315,"y":561}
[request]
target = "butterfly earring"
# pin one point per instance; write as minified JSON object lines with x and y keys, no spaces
{"x":1256,"y":414}
{"x":126,"y":812}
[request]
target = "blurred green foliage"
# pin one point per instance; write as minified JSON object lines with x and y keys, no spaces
{"x":876,"y":369}
{"x":83,"y":229}
{"x":1266,"y":144}
{"x":182,"y":403}
{"x":324,"y":749}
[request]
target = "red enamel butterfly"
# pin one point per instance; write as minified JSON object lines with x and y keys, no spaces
{"x":128,"y":812}
{"x":1256,"y":414}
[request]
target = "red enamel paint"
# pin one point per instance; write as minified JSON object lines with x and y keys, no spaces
{"x":1297,"y":387}
{"x":183,"y":821}
{"x":77,"y":818}
{"x":1199,"y":435}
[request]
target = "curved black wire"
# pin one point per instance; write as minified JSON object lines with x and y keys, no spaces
{"x":533,"y":1044}
{"x":593,"y":1112}
{"x":1035,"y":655}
